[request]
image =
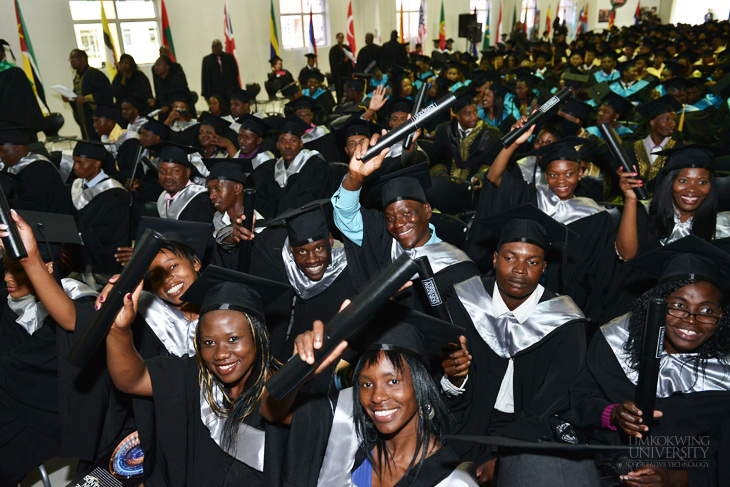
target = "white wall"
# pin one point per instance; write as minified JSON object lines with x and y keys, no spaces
{"x":196,"y":23}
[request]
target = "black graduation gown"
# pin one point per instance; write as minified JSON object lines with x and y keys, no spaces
{"x":49,"y":407}
{"x":38,"y":187}
{"x":166,"y":90}
{"x":446,"y":148}
{"x":602,"y":382}
{"x":104,"y":225}
{"x":311,"y":183}
{"x":198,"y":210}
{"x":17,"y":101}
{"x":219,"y":78}
{"x":577,"y":276}
{"x":327,"y":146}
{"x":94,"y":83}
{"x":542,"y":374}
{"x":137,"y":87}
{"x":184,"y":451}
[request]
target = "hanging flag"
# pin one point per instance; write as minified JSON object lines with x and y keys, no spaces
{"x":167,"y":32}
{"x":548,"y":22}
{"x":611,"y":17}
{"x":514,"y":18}
{"x":584,"y":20}
{"x":497,"y":37}
{"x":350,"y":29}
{"x":485,"y":41}
{"x":376,"y":29}
{"x":442,"y":28}
{"x":422,"y":23}
{"x":29,"y":65}
{"x":402,"y":37}
{"x":230,"y":41}
{"x":312,"y":41}
{"x":109,"y":49}
{"x":524,"y":24}
{"x":273,"y":35}
{"x":637,"y":14}
{"x":474,"y":49}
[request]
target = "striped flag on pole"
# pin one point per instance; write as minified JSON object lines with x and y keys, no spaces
{"x":273,"y":35}
{"x":230,"y":41}
{"x":109,"y":50}
{"x":422,"y":23}
{"x":167,"y":32}
{"x":376,"y":29}
{"x":350,"y":29}
{"x":442,"y":28}
{"x":497,"y":37}
{"x":29,"y":65}
{"x":312,"y":41}
{"x":475,"y":44}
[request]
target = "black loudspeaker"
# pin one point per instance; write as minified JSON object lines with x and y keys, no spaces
{"x":465,"y":20}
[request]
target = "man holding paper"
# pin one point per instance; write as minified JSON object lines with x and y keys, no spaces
{"x":91,"y":86}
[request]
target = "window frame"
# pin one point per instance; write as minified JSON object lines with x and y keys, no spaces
{"x":303,"y":16}
{"x":408,"y":16}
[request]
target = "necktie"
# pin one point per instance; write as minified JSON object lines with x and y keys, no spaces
{"x":220,"y":64}
{"x":85,"y":186}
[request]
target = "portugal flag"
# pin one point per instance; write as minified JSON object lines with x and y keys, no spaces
{"x":442,"y":28}
{"x":167,"y":32}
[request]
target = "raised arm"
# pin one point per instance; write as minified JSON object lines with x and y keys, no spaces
{"x":50,"y":293}
{"x":126,"y":368}
{"x":627,"y":239}
{"x":496,"y":171}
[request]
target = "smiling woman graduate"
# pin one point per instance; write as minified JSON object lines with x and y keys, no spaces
{"x":208,"y":430}
{"x":388,"y":428}
{"x":692,"y":392}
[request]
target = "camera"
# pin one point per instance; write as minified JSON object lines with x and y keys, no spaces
{"x":182,"y":112}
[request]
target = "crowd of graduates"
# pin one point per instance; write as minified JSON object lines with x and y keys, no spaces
{"x":545,"y":253}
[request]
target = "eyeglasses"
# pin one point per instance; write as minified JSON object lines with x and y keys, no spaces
{"x":699,"y":317}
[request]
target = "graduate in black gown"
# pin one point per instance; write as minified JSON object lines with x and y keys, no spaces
{"x":30,"y":180}
{"x":102,"y":205}
{"x":574,"y":271}
{"x":389,"y":426}
{"x":49,"y":407}
{"x":251,"y":143}
{"x":692,"y":392}
{"x":317,"y":137}
{"x":308,"y":258}
{"x":525,"y":341}
{"x":297,"y":177}
{"x":207,"y":424}
{"x":374,"y":238}
{"x":181,"y":198}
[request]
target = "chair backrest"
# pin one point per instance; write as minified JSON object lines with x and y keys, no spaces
{"x":150,"y":209}
{"x":723,"y":191}
{"x":272,"y":87}
{"x":253,"y":88}
{"x":450,"y":229}
{"x":450,"y":195}
{"x":52,"y":123}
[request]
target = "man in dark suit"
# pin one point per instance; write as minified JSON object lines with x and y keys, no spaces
{"x":392,"y":52}
{"x":341,"y":60}
{"x":219,"y":73}
{"x":368,"y":54}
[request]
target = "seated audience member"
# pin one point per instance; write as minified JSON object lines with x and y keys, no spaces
{"x":181,"y":199}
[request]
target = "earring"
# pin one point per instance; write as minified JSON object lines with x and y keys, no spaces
{"x":430,"y":412}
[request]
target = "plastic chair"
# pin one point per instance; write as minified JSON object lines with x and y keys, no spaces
{"x":52,"y":123}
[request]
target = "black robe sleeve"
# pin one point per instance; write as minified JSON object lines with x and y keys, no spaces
{"x":104,"y":225}
{"x":198,"y":210}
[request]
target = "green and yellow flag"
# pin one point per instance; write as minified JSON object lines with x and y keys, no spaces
{"x":485,"y":42}
{"x":273,"y":35}
{"x":442,"y":28}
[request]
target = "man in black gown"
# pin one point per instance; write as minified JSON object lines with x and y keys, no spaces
{"x":91,"y":86}
{"x":181,"y":199}
{"x":219,"y":73}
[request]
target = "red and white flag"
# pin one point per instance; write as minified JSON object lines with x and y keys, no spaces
{"x":230,"y":44}
{"x":350,"y":29}
{"x":422,"y":22}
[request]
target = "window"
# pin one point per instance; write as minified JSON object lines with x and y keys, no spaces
{"x":482,"y":7}
{"x":411,"y":10}
{"x":528,"y":6}
{"x":565,"y":12}
{"x":134,"y":22}
{"x":294,"y":15}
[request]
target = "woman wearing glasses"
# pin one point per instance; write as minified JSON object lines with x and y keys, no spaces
{"x":692,"y":408}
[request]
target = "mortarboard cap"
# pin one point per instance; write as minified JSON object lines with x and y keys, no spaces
{"x":241,"y":95}
{"x":310,"y":55}
{"x":254,"y":124}
{"x":660,"y":106}
{"x":225,"y":289}
{"x":357,"y":126}
{"x":577,"y":109}
{"x":464,"y":97}
{"x":399,"y":328}
{"x":598,"y":91}
{"x":290,"y":125}
{"x":692,"y":155}
{"x":357,"y":84}
{"x":405,"y":184}
{"x":107,"y":110}
{"x":291,"y":89}
{"x":313,"y":74}
{"x":228,"y":169}
{"x":220,"y":125}
{"x":722,"y":88}
{"x":174,"y":152}
{"x":673,"y":67}
{"x":626,"y":65}
{"x":622,"y":106}
{"x":303,"y":102}
{"x":527,"y":223}
{"x":51,"y":230}
{"x":398,"y":104}
{"x":135,"y":101}
{"x":498,"y":89}
{"x":306,"y":224}
{"x":526,"y":76}
{"x":274,"y":60}
{"x":195,"y":235}
{"x":561,"y":150}
{"x":542,"y":54}
{"x":575,"y":80}
{"x":15,"y":134}
{"x":609,"y":53}
{"x":689,"y":258}
{"x":91,"y":149}
{"x":157,"y":128}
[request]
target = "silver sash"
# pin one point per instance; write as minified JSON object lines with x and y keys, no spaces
{"x":342,"y":445}
{"x":463,"y":476}
{"x":260,"y":158}
{"x":676,"y":371}
{"x":565,"y":211}
{"x":315,"y":133}
{"x":137,"y":125}
{"x":282,"y":172}
{"x":303,"y":286}
{"x":26,"y":161}
{"x":169,"y":324}
{"x":396,"y":150}
{"x":531,"y":170}
{"x":682,"y":229}
{"x":440,"y":255}
{"x":505,"y":335}
{"x":113,"y":147}
{"x":249,"y":447}
{"x":196,"y":159}
{"x":81,"y":197}
{"x":722,"y":226}
{"x":180,"y":202}
{"x":31,"y":312}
